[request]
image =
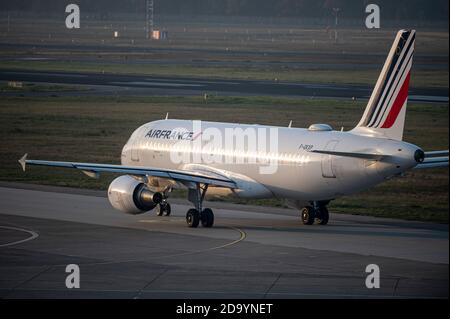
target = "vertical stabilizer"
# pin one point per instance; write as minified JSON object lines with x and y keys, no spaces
{"x":385,"y":113}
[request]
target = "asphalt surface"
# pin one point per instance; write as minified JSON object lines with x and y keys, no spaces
{"x":251,"y":252}
{"x":134,"y":85}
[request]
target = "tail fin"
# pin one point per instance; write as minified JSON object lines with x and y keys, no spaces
{"x":385,"y":112}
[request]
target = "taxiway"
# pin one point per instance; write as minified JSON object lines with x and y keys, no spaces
{"x":143,"y":85}
{"x":251,"y":252}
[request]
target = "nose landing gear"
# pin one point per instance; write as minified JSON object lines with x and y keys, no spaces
{"x":322,"y":215}
{"x":317,"y":212}
{"x":308,"y":215}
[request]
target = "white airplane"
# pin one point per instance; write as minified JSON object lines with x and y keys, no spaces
{"x":310,"y":167}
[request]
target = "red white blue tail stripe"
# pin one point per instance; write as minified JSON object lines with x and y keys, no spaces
{"x":391,"y":92}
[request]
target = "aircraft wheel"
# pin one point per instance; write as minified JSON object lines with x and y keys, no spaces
{"x":163,"y":208}
{"x":167,"y":209}
{"x":323,"y":215}
{"x":159,"y":210}
{"x":308,"y":215}
{"x":207,"y":217}
{"x":192,"y":218}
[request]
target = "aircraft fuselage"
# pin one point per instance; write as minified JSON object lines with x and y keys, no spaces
{"x":282,"y":166}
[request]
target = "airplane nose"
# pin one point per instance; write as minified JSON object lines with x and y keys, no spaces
{"x":419,"y":156}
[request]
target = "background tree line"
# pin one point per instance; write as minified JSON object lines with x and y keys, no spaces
{"x":399,"y":9}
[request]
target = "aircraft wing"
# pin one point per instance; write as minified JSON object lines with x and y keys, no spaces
{"x":94,"y":170}
{"x":434,"y":159}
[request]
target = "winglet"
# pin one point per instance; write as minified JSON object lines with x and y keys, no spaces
{"x":23,"y":161}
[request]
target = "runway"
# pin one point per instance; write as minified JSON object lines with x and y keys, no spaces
{"x":251,"y":252}
{"x":139,"y":85}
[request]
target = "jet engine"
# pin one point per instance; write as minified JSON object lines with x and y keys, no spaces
{"x":131,"y":196}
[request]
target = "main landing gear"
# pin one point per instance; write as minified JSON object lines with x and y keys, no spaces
{"x":197,"y":215}
{"x":316,"y":212}
{"x":162,"y":205}
{"x":163,"y":208}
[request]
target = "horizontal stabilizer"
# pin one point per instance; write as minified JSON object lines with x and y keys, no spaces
{"x":431,"y":165}
{"x":375,"y":157}
{"x":436,"y":153}
{"x":434,"y":159}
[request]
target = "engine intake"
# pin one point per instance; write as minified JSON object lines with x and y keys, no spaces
{"x":130,"y":196}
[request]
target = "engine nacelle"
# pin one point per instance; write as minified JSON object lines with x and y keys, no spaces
{"x":130,"y":196}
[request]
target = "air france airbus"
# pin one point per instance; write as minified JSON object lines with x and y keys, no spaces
{"x":306,"y":167}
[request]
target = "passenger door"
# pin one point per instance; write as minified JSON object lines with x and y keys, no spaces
{"x":136,"y":143}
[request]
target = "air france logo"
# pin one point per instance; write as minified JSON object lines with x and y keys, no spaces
{"x":183,"y":135}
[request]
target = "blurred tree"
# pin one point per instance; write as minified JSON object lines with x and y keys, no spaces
{"x":399,"y":9}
